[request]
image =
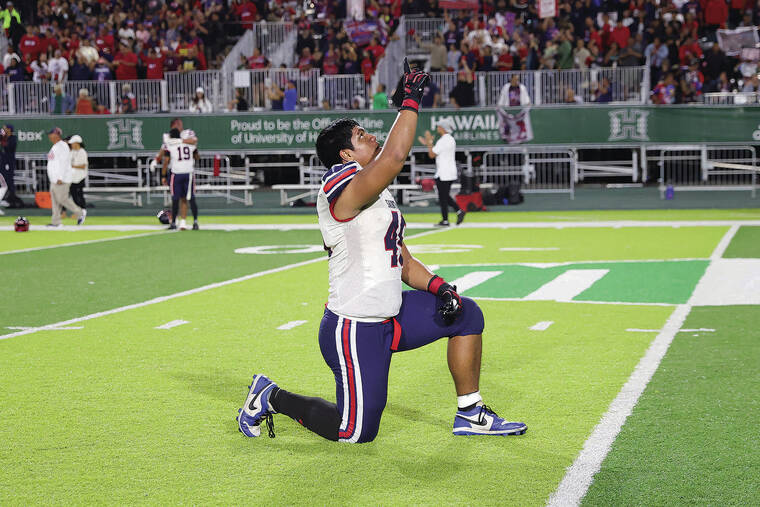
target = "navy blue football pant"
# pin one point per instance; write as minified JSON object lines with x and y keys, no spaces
{"x":359,"y":354}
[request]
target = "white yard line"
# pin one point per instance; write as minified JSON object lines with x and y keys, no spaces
{"x":291,"y":324}
{"x":161,"y":299}
{"x":77,"y":243}
{"x":569,"y":263}
{"x":473,"y":279}
{"x":172,"y":323}
{"x":698,"y":330}
{"x":528,"y":249}
{"x":423,"y":225}
{"x":541,"y":326}
{"x":581,"y":473}
{"x":576,"y":301}
{"x":52,"y":329}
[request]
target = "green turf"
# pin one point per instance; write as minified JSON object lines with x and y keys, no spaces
{"x":10,"y":240}
{"x":576,"y":244}
{"x":128,"y":413}
{"x":79,"y":280}
{"x":670,"y":282}
{"x":693,"y":437}
{"x":745,"y":244}
{"x":432,"y":217}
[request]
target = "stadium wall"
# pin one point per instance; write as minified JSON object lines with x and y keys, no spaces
{"x":598,"y":125}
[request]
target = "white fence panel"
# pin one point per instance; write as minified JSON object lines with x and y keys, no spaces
{"x":537,"y":171}
{"x":702,"y":167}
{"x":340,"y":91}
{"x":182,"y":86}
{"x":424,"y":28}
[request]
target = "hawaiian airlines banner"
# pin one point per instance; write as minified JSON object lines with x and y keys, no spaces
{"x":477,"y":127}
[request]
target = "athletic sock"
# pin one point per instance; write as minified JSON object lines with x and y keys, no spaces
{"x":315,"y":414}
{"x":175,"y":209}
{"x":194,"y":209}
{"x":468,"y":401}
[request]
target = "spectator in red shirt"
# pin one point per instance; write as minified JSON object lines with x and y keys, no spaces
{"x":104,"y":40}
{"x":591,"y":33}
{"x":30,"y":44}
{"x":376,"y":50}
{"x":305,"y":63}
{"x":126,"y":63}
{"x":620,"y":34}
{"x":504,"y":62}
{"x":716,"y":14}
{"x":246,"y":12}
{"x":688,"y":51}
{"x":331,"y":60}
{"x":154,"y":64}
{"x":368,"y":69}
{"x":257,"y":60}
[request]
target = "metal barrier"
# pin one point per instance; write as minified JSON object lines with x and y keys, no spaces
{"x":275,"y":40}
{"x":739,"y":98}
{"x":182,"y":85}
{"x":35,"y":98}
{"x":340,"y":90}
{"x":589,"y":166}
{"x":702,"y":167}
{"x":446,"y":81}
{"x":424,"y":28}
{"x":4,"y":96}
{"x":536,"y":170}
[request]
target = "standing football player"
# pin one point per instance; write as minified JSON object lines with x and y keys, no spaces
{"x":368,"y":317}
{"x":164,"y":156}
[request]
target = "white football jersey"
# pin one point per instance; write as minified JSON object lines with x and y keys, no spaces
{"x":182,"y":161}
{"x":365,"y":251}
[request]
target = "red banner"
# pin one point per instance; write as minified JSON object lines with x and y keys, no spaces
{"x":459,"y":4}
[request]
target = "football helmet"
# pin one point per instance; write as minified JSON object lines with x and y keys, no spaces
{"x":164,"y":216}
{"x":21,"y":224}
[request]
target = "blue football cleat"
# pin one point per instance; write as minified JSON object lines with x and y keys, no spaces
{"x":257,"y":408}
{"x":481,"y":420}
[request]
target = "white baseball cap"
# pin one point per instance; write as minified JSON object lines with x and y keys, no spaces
{"x":75,"y":139}
{"x":447,"y":124}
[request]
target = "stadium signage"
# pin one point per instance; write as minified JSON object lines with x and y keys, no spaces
{"x":474,"y":128}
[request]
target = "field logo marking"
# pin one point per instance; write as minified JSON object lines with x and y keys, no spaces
{"x":580,"y":474}
{"x":172,"y":323}
{"x":566,"y":286}
{"x":473,"y":279}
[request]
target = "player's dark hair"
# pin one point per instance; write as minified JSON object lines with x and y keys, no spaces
{"x":174,"y":133}
{"x":333,"y":138}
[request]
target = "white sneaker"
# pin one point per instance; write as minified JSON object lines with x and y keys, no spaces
{"x":4,"y":203}
{"x":182,"y":225}
{"x":81,"y":218}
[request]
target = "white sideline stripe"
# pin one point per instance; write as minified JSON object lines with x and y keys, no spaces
{"x":567,"y":285}
{"x":581,"y":473}
{"x":161,"y":299}
{"x":52,"y":329}
{"x":527,"y":249}
{"x":172,"y":323}
{"x":76,"y":243}
{"x":473,"y":279}
{"x":291,"y":324}
{"x":422,"y":225}
{"x":541,"y":326}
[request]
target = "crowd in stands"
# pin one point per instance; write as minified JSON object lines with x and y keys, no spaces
{"x":136,"y":39}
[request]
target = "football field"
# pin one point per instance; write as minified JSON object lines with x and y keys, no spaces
{"x":629,"y":342}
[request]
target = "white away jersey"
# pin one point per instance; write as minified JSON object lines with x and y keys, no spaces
{"x":365,"y":251}
{"x":181,"y":154}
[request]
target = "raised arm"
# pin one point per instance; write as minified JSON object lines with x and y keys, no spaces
{"x":367,"y":185}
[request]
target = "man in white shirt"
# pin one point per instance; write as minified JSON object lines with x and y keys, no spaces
{"x":79,"y":165}
{"x":59,"y":172}
{"x":58,"y":67}
{"x":444,"y":151}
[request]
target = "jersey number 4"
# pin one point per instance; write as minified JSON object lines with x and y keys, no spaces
{"x":183,"y":151}
{"x":394,"y":238}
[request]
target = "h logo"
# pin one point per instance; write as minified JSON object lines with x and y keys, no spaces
{"x":125,"y":134}
{"x":628,"y":124}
